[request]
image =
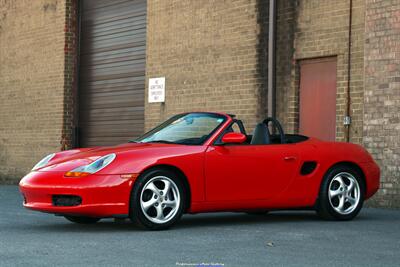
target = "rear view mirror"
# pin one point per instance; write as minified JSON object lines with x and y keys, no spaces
{"x":233,"y":138}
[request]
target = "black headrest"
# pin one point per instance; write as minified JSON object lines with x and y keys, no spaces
{"x":261,"y":135}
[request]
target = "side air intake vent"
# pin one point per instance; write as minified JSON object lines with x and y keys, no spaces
{"x":308,"y":167}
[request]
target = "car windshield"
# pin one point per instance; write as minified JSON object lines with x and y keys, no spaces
{"x":188,"y":129}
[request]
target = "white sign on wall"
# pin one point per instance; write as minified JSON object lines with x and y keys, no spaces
{"x":157,"y":90}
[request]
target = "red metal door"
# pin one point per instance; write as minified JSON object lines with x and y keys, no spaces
{"x":318,"y":98}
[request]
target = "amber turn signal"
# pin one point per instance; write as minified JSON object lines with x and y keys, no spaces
{"x":76,"y":174}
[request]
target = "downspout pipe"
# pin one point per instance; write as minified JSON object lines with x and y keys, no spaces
{"x":347,"y":119}
{"x":271,"y":104}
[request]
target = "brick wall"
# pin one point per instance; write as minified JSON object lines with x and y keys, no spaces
{"x":382,"y":95}
{"x":32,"y":58}
{"x":214,"y":57}
{"x":71,"y":64}
{"x":209,"y":53}
{"x":286,"y":67}
{"x":313,"y":29}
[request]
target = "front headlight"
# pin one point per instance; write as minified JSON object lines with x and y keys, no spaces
{"x":43,"y":162}
{"x":93,"y":167}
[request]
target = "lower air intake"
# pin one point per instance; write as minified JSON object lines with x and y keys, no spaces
{"x":66,"y":200}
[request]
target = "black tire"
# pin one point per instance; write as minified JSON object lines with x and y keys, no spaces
{"x":326,"y":205}
{"x":82,"y":220}
{"x":257,"y":212}
{"x":138,"y":215}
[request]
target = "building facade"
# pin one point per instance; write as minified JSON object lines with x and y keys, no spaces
{"x":75,"y":73}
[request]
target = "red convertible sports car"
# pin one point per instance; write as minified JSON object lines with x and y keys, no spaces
{"x":203,"y":162}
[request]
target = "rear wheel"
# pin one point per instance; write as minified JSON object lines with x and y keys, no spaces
{"x":157,"y":200}
{"x":342,"y":193}
{"x":82,"y":220}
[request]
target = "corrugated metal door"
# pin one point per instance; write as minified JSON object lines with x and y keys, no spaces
{"x":318,"y":98}
{"x":112,"y":71}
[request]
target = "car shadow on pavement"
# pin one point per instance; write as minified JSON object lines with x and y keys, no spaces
{"x":281,"y":217}
{"x":227,"y":219}
{"x":231,"y":219}
{"x":105,"y":225}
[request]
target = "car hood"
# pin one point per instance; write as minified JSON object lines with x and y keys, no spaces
{"x":68,"y":160}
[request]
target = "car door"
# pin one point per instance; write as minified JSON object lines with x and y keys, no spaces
{"x":249,"y":172}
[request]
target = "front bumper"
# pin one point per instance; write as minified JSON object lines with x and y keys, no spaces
{"x":372,"y":177}
{"x":102,"y":195}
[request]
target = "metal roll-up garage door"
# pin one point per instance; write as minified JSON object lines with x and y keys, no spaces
{"x":111,"y":71}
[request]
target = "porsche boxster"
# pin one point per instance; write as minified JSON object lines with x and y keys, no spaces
{"x":203,"y":162}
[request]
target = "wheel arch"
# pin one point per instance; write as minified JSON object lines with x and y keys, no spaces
{"x":352,"y":165}
{"x":181,"y":175}
{"x":341,"y":163}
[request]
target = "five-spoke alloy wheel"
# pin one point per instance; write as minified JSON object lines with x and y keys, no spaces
{"x":157,"y":199}
{"x":342,"y":193}
{"x":160,"y":199}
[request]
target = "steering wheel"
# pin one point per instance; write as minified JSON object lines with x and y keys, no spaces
{"x":277,"y":125}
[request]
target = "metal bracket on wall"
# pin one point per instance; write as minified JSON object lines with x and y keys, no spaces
{"x":347,"y":120}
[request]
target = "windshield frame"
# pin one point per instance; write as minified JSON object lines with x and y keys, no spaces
{"x":175,"y":117}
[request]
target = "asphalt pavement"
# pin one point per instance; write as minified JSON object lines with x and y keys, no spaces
{"x":287,"y":238}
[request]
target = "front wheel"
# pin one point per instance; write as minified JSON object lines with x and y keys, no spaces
{"x":342,"y":194}
{"x":157,"y":200}
{"x":82,"y":220}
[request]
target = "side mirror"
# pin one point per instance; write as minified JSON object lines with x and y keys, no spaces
{"x":233,"y":138}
